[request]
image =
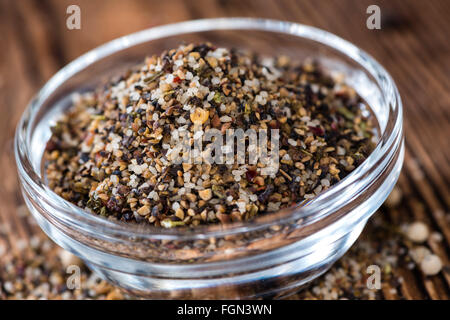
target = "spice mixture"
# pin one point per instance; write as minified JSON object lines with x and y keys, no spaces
{"x":113,"y":152}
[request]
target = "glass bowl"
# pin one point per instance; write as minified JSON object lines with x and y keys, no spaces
{"x":269,"y":257}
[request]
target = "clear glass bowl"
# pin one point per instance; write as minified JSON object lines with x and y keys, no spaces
{"x":268,"y":257}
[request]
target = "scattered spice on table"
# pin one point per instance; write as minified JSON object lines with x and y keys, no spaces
{"x":38,"y":268}
{"x":112,"y":153}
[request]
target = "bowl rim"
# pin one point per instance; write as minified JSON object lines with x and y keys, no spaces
{"x":315,"y":209}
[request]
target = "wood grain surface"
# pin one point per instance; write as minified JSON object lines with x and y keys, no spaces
{"x":413,"y":45}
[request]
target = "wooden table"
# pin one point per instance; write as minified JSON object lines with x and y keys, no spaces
{"x":412,"y":44}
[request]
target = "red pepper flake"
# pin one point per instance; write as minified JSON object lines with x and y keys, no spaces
{"x":318,"y":131}
{"x":51,"y":145}
{"x":334,"y":126}
{"x":250,"y":174}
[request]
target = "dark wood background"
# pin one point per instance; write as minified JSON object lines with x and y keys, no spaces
{"x":413,"y":45}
